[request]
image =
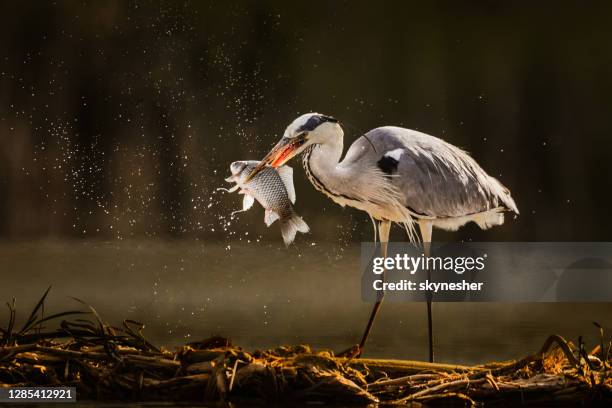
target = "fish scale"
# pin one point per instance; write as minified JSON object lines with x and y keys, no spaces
{"x":270,"y":190}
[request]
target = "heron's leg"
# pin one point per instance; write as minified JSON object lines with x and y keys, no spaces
{"x":426,"y":232}
{"x":375,"y":228}
{"x":383,"y":233}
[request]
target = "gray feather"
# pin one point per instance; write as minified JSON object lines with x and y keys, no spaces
{"x":435,"y":178}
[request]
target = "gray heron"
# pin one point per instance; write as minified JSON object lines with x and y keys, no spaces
{"x":396,"y":175}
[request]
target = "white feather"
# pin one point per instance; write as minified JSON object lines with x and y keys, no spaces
{"x":395,"y":154}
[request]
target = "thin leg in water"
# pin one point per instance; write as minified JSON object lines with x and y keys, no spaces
{"x":383,"y":232}
{"x":426,"y":232}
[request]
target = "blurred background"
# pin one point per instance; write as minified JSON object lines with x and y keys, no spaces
{"x":118,"y":120}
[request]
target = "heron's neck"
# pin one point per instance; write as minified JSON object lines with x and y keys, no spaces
{"x":321,"y":165}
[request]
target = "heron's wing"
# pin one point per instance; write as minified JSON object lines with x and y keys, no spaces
{"x":286,"y":174}
{"x":435,"y":178}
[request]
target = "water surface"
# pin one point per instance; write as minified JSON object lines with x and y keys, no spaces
{"x":262,"y":296}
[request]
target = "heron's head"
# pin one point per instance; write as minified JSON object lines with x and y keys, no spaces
{"x":308,"y":129}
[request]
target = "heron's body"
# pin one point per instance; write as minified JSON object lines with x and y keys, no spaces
{"x":402,"y":175}
{"x":395,"y":175}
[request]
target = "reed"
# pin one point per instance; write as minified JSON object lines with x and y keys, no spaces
{"x":109,"y":363}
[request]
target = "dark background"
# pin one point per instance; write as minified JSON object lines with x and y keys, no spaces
{"x":119,"y":119}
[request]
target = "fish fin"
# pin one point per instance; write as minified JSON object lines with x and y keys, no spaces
{"x":247,"y":202}
{"x":290,"y":226}
{"x":286,"y":174}
{"x":228,"y":190}
{"x":270,"y":217}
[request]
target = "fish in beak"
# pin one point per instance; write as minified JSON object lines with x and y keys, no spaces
{"x":280,"y":154}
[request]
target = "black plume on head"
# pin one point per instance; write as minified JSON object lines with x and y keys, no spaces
{"x":314,"y":121}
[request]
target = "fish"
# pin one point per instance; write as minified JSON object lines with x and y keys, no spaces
{"x":274,"y":190}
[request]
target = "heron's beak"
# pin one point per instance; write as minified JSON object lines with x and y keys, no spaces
{"x":280,"y":154}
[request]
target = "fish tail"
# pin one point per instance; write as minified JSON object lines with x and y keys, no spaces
{"x":291,"y":225}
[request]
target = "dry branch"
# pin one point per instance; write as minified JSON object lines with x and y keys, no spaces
{"x":118,"y":363}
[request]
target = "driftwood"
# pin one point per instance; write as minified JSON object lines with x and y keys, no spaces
{"x":119,"y":364}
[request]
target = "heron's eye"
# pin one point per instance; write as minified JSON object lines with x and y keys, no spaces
{"x":300,"y":134}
